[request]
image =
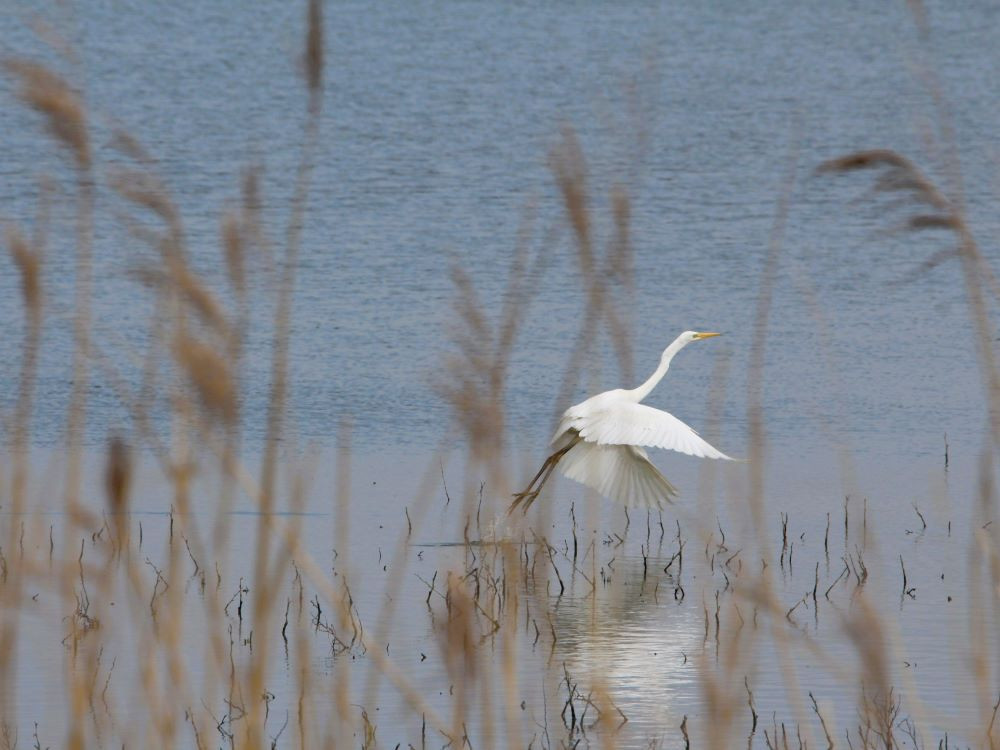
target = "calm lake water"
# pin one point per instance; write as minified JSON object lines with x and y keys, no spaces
{"x":437,"y":126}
{"x":436,"y":131}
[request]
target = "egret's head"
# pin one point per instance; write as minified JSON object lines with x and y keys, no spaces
{"x":688,"y":336}
{"x":684,"y":339}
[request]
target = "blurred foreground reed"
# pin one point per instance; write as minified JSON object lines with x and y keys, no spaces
{"x":189,"y":636}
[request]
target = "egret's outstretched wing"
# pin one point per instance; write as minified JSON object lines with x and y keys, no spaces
{"x":619,"y":472}
{"x":627,"y":423}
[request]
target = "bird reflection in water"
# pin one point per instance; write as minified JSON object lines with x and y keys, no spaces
{"x":630,"y":639}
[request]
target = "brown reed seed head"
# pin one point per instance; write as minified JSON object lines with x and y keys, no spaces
{"x":232,"y":245}
{"x":458,"y":637}
{"x":48,"y":93}
{"x":209,"y":374}
{"x":126,"y":143}
{"x":145,"y":190}
{"x":314,"y":46}
{"x":865,"y":630}
{"x":250,"y":191}
{"x":899,"y":175}
{"x":28,"y":265}
{"x":473,"y":385}
{"x":118,"y":475}
{"x":191,"y":290}
{"x":570,"y":170}
{"x":198,"y":296}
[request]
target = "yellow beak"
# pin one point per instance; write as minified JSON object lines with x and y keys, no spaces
{"x":698,"y":336}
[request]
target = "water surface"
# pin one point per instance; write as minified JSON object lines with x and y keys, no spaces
{"x":436,"y":130}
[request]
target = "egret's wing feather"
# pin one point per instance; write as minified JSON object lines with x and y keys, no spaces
{"x":564,"y":433}
{"x":619,"y":472}
{"x":637,"y":424}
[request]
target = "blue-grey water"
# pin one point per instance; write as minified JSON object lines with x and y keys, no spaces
{"x":436,"y":132}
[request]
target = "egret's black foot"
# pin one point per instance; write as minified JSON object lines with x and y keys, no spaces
{"x":527,"y":497}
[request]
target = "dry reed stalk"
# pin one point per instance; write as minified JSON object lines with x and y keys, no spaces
{"x":138,"y":404}
{"x":899,"y":176}
{"x":343,"y":727}
{"x":317,"y":577}
{"x":212,"y":380}
{"x":48,"y":93}
{"x":509,"y":650}
{"x":982,"y":588}
{"x":233,"y":247}
{"x":314,"y":52}
{"x":205,"y":369}
{"x":338,"y":599}
{"x":836,"y":384}
{"x":736,"y":647}
{"x":470,"y":387}
{"x":179,"y":292}
{"x":208,"y":372}
{"x":254,"y":232}
{"x":757,"y":439}
{"x":864,"y":629}
{"x":279,"y":374}
{"x":475,"y":383}
{"x":714,"y":407}
{"x":27,"y":258}
{"x":398,"y":563}
{"x":902,"y":177}
{"x":117,"y":483}
{"x":457,"y":638}
{"x":169,"y":621}
{"x":145,"y":189}
{"x":890,"y":634}
{"x":239,"y":235}
{"x":598,"y":275}
{"x":178,"y":279}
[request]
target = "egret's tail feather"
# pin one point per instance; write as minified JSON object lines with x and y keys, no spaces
{"x":622,"y":473}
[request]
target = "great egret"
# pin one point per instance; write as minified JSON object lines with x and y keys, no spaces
{"x":599,"y":442}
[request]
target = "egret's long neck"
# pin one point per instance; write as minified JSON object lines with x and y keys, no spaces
{"x":646,"y":388}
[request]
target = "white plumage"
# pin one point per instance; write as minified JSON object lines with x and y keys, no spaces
{"x":600,"y":441}
{"x":621,"y":472}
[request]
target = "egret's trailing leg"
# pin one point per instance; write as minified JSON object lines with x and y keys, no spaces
{"x":528,"y":495}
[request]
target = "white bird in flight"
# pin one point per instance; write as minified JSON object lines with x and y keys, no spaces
{"x":600,"y":442}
